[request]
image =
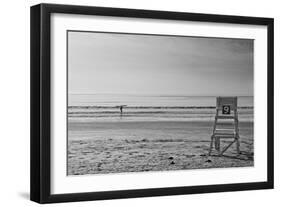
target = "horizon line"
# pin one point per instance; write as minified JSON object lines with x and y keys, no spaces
{"x":148,"y":94}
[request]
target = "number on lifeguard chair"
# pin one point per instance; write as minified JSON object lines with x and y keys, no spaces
{"x":225,"y":109}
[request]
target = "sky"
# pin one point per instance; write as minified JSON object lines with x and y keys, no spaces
{"x":114,"y":63}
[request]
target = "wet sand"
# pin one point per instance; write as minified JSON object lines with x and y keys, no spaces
{"x":135,"y":146}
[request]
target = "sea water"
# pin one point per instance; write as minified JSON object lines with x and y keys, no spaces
{"x":106,"y":107}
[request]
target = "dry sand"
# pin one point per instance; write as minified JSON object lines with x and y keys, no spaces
{"x":115,"y":147}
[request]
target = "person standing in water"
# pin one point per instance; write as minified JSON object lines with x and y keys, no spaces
{"x":121,"y":109}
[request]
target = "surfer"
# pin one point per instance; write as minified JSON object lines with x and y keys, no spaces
{"x":121,"y":108}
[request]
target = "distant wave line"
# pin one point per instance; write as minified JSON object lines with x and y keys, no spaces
{"x":152,"y":107}
{"x":130,"y":113}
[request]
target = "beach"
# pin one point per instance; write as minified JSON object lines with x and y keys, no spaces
{"x":151,"y":133}
{"x":116,"y":147}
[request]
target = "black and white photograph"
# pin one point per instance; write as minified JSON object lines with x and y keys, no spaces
{"x":129,"y":102}
{"x":150,"y":102}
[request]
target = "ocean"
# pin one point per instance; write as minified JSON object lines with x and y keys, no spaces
{"x":105,"y":107}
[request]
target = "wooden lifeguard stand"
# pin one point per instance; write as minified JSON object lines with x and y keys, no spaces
{"x":226,"y":124}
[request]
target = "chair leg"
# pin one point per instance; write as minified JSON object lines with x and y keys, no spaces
{"x":211,"y":145}
{"x":217,"y":144}
{"x":238,"y":145}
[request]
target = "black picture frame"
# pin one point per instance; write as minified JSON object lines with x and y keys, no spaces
{"x":40,"y":177}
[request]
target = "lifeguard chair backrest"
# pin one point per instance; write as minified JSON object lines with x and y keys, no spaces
{"x":225,"y":103}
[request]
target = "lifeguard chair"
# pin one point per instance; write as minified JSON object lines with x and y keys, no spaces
{"x":226,"y":124}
